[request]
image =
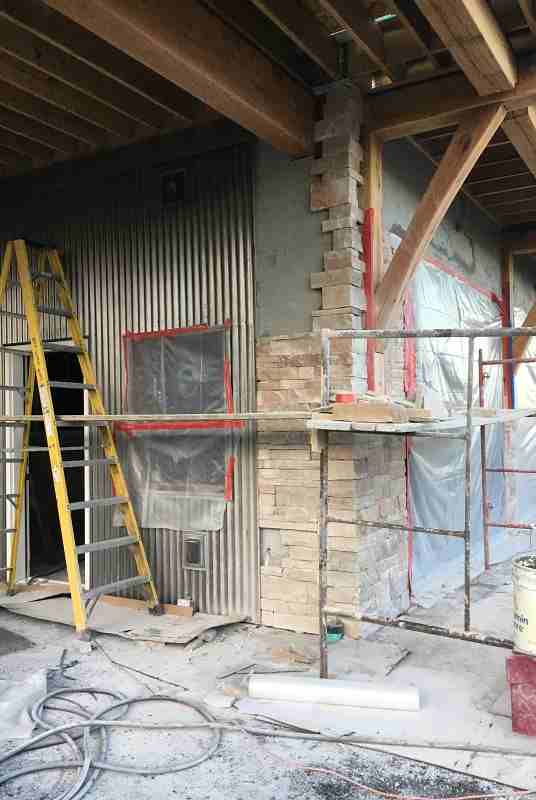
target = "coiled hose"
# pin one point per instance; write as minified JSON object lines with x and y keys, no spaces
{"x":91,"y":764}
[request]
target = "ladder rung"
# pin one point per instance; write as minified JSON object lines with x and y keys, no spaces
{"x":48,"y":347}
{"x":8,"y":530}
{"x":106,"y":544}
{"x":45,"y":275}
{"x":100,"y":501}
{"x":71,"y":385}
{"x":54,"y":312}
{"x":116,"y":586}
{"x":11,"y":460}
{"x":88,"y":462}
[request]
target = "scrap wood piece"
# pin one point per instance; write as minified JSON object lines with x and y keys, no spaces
{"x":375,"y":411}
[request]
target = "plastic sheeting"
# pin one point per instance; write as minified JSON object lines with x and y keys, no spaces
{"x":440,"y":299}
{"x":176,"y":372}
{"x":178,"y":473}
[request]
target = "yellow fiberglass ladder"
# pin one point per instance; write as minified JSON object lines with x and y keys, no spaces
{"x":34,"y":284}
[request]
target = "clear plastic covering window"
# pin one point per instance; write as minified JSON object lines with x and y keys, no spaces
{"x":179,"y":473}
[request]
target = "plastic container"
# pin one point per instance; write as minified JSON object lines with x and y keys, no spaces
{"x":524,"y":580}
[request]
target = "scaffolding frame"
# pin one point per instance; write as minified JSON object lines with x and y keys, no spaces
{"x":421,"y":429}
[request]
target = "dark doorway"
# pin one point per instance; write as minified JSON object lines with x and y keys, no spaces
{"x":46,"y":549}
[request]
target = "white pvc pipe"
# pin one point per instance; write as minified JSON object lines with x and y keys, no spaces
{"x":334,"y":692}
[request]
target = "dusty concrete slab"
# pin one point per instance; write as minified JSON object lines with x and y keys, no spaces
{"x":11,"y":642}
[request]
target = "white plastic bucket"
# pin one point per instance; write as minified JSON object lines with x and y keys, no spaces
{"x":524,"y":580}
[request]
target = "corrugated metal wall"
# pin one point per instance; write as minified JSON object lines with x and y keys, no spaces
{"x":137,"y":264}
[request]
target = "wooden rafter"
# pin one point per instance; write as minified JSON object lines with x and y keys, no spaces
{"x":56,"y":63}
{"x":405,"y":11}
{"x":22,"y":125}
{"x":439,"y":103}
{"x":520,"y":127}
{"x":52,"y":27}
{"x":351,"y":15}
{"x":529,"y":12}
{"x":195,"y":50}
{"x":520,"y":343}
{"x":34,"y":82}
{"x":464,"y":150}
{"x":86,"y":134}
{"x":304,"y":30}
{"x":473,"y":36}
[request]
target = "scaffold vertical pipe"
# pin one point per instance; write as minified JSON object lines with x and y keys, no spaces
{"x":323,"y":559}
{"x":483,"y":466}
{"x":467,"y":504}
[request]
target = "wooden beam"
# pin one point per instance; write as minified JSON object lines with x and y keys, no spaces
{"x":467,"y":145}
{"x":471,"y":33}
{"x":31,"y":129}
{"x":520,"y":127}
{"x":87,"y":135}
{"x":372,"y":197}
{"x":520,"y":343}
{"x":54,"y":28}
{"x":195,"y":50}
{"x":39,"y":54}
{"x":26,"y":147}
{"x":367,"y":36}
{"x":305,"y":31}
{"x":529,"y":12}
{"x":56,"y":93}
{"x":441,"y":102}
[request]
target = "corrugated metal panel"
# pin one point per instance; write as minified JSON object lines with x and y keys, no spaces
{"x":135,"y":264}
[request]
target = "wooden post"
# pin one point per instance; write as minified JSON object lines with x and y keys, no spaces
{"x":467,"y":145}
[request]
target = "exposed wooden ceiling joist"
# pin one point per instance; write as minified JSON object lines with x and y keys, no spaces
{"x":521,"y":129}
{"x":352,"y":16}
{"x":528,"y":9}
{"x":85,"y":133}
{"x":304,"y":30}
{"x":31,"y":129}
{"x":466,"y":146}
{"x":194,"y":49}
{"x":40,"y":55}
{"x":54,"y":28}
{"x":471,"y":33}
{"x":33,"y":81}
{"x":440,"y":102}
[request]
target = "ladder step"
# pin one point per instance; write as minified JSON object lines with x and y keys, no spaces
{"x":8,"y":530}
{"x":48,"y":347}
{"x":54,"y":312}
{"x":20,"y":389}
{"x":126,"y":583}
{"x":48,"y":276}
{"x":89,"y":462}
{"x":11,"y":460}
{"x":100,"y":501}
{"x":71,"y":385}
{"x":106,"y":544}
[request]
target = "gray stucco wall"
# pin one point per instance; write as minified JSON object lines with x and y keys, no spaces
{"x":466,"y":238}
{"x":289,"y":244}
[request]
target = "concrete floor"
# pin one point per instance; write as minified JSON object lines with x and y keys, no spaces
{"x":265,"y":768}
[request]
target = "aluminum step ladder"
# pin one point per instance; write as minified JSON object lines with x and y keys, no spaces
{"x":32,"y":285}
